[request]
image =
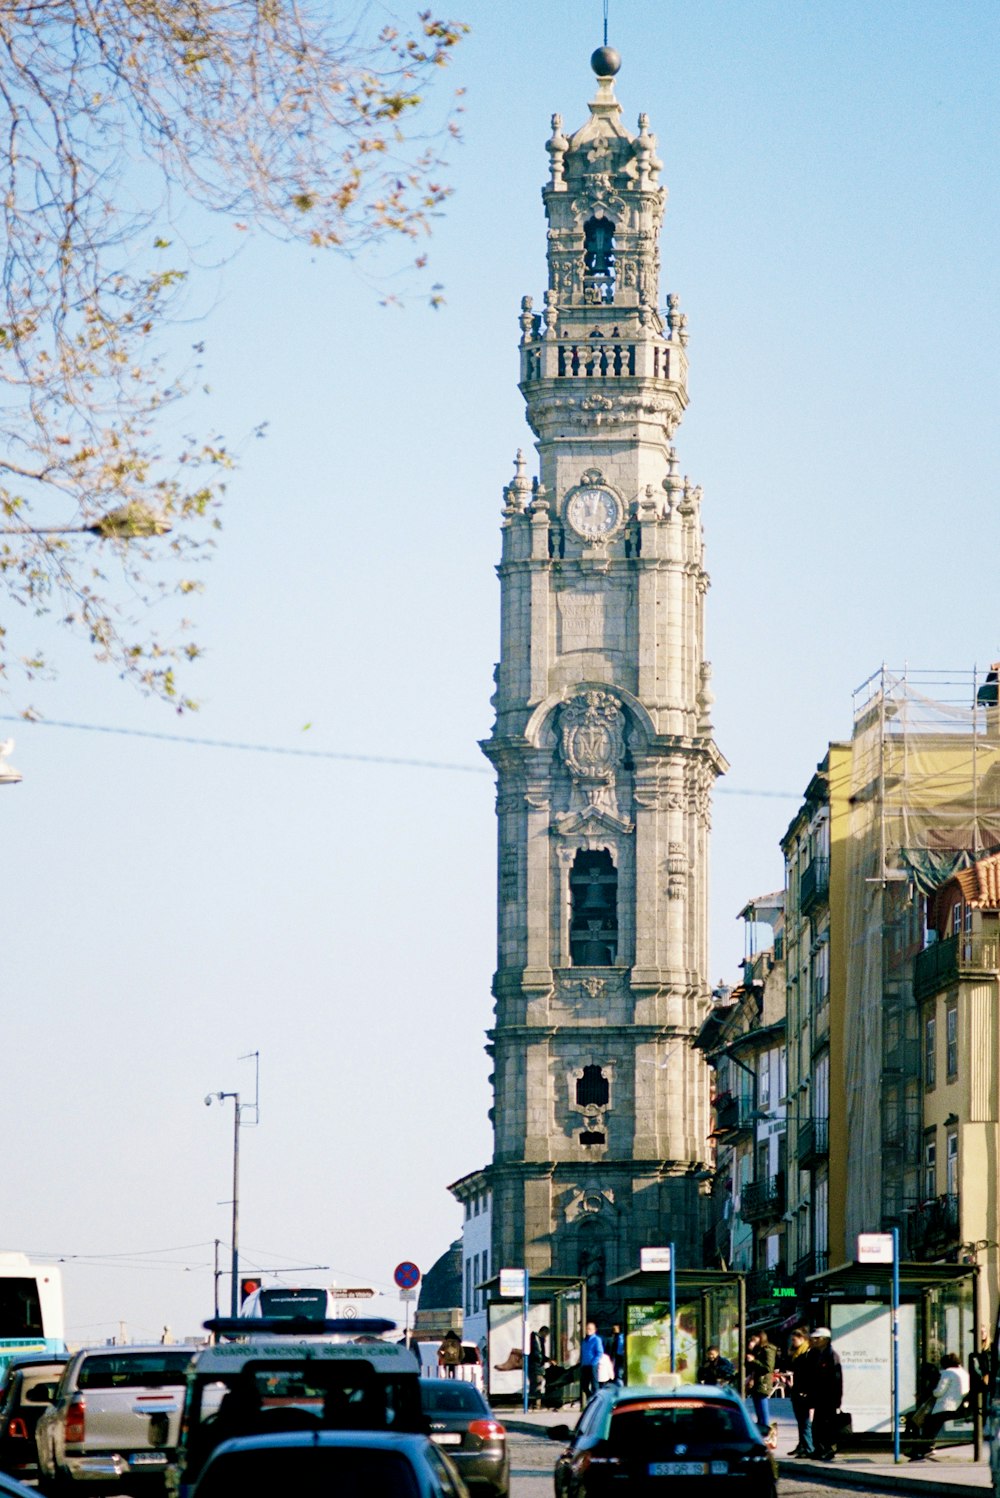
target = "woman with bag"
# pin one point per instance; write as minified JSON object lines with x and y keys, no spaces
{"x":761,"y":1360}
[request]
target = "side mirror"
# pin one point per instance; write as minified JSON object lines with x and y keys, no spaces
{"x":560,"y":1433}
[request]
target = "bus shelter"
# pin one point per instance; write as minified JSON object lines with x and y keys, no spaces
{"x":939,"y":1311}
{"x":554,"y":1300}
{"x":710,"y":1312}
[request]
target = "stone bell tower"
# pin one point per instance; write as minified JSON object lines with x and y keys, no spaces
{"x":602,"y":745}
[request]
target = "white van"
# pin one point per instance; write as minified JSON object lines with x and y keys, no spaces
{"x":470,"y":1369}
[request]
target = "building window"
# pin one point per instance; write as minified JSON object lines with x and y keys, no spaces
{"x":930,"y":1168}
{"x":468,"y":1287}
{"x":956,"y":918}
{"x":930,"y":1052}
{"x":593,"y":1088}
{"x":951,"y":1162}
{"x":764,"y":1081}
{"x":951,"y":1040}
{"x":820,"y":978}
{"x":593,"y":888}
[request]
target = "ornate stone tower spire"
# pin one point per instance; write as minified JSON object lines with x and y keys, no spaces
{"x":602,"y":744}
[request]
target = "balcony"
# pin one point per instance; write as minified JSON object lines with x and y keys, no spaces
{"x":763,"y":1199}
{"x":932,"y":1231}
{"x":944,"y":962}
{"x":816,"y":1262}
{"x":813,"y":1142}
{"x":814,"y":886}
{"x":733,"y":1115}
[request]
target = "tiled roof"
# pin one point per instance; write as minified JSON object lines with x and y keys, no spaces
{"x":980,"y":885}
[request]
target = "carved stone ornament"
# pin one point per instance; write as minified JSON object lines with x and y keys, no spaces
{"x":677,"y":871}
{"x":593,"y":741}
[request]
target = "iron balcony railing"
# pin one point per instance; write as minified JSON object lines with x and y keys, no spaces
{"x":933,"y":1228}
{"x":763,"y":1199}
{"x":813,"y":1141}
{"x":814,"y":885}
{"x":944,"y":962}
{"x":733,"y":1114}
{"x":815,"y":1262}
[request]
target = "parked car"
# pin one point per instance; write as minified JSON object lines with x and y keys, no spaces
{"x":30,"y":1386}
{"x":114,"y":1421}
{"x":693,"y":1439}
{"x":349,"y":1463}
{"x":462,"y":1422}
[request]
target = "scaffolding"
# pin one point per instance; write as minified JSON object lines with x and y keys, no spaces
{"x":919,"y":790}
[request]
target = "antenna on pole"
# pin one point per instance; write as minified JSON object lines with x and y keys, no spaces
{"x":606,"y":2}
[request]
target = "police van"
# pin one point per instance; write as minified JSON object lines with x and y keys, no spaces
{"x":285,"y":1382}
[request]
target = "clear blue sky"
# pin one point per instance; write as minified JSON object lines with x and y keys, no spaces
{"x":832,"y":230}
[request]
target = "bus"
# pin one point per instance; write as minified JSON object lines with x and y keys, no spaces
{"x":31,"y":1308}
{"x":303,"y":1304}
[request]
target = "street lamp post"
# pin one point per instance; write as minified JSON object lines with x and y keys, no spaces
{"x":238,"y":1108}
{"x":209,"y":1100}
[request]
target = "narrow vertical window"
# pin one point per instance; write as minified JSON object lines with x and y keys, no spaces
{"x":951,"y":1162}
{"x":930,"y":1052}
{"x":930,"y":1168}
{"x":593,"y":934}
{"x":951,"y":1040}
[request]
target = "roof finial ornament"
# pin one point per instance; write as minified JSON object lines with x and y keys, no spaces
{"x":605,"y":61}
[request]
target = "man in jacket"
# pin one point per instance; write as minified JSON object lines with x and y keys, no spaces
{"x":591,"y":1352}
{"x":825,"y":1385}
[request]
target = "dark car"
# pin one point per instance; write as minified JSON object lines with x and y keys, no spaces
{"x":462,"y":1422}
{"x":314,"y":1464}
{"x":690,"y":1440}
{"x":28,"y":1389}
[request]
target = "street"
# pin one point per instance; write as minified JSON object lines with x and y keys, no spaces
{"x":532,"y":1459}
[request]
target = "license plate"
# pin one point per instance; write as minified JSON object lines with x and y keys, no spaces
{"x":450,"y":1438}
{"x":148,"y":1459}
{"x":678,"y":1469}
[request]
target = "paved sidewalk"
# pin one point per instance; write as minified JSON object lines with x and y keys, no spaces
{"x":953,"y":1474}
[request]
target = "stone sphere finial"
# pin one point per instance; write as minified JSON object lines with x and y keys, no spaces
{"x":605,"y":62}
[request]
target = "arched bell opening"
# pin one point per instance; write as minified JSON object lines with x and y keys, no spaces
{"x":599,"y":256}
{"x":593,"y":931}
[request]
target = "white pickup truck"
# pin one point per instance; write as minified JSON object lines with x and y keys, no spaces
{"x":114,"y":1422}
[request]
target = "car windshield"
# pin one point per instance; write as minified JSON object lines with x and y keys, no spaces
{"x":309,"y":1472}
{"x":640,"y":1429}
{"x":135,"y":1371}
{"x":445,"y":1396}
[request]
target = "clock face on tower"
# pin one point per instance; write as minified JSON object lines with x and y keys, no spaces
{"x":593,"y":512}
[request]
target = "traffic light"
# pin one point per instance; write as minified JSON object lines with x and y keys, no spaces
{"x":247,"y":1287}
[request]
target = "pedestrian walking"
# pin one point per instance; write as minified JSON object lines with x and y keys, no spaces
{"x":538,"y":1357}
{"x":825,"y":1384}
{"x":949,"y":1394}
{"x":591,"y":1352}
{"x":615,"y":1348}
{"x":797,"y":1384}
{"x":762,"y":1358}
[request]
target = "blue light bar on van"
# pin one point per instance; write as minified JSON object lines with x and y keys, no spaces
{"x":298,"y":1326}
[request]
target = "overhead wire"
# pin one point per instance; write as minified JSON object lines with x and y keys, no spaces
{"x":299,"y":752}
